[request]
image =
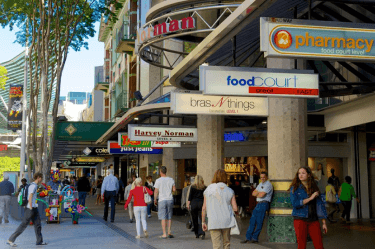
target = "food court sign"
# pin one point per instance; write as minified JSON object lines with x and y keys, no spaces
{"x":316,"y":39}
{"x":242,"y":81}
{"x":162,"y":133}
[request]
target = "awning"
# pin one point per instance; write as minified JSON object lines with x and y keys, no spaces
{"x":129,"y":116}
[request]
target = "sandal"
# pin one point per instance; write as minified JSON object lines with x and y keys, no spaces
{"x":162,"y":237}
{"x":11,"y":244}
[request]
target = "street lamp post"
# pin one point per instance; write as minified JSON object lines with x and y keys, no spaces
{"x":24,"y":110}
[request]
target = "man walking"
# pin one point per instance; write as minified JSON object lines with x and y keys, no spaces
{"x":164,"y":186}
{"x":83,"y":186}
{"x":6,"y":190}
{"x":110,"y":189}
{"x":31,"y":213}
{"x":263,"y":193}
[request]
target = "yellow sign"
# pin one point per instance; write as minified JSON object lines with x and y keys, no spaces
{"x":90,"y":159}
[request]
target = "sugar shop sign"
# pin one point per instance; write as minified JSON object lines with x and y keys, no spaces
{"x":162,"y":133}
{"x":317,"y":39}
{"x":241,"y":81}
{"x":124,"y":141}
{"x":194,"y":102}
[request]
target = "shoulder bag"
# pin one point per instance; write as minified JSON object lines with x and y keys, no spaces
{"x":330,"y":197}
{"x":147,"y":197}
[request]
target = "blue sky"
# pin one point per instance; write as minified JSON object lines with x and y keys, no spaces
{"x":78,"y":74}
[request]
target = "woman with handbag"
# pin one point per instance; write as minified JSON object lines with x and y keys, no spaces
{"x":331,"y":199}
{"x":195,"y":203}
{"x":150,"y":185}
{"x":142,"y":196}
{"x":220,"y":204}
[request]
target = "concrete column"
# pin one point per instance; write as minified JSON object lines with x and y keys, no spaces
{"x":363,"y":169}
{"x":210,"y":146}
{"x":287,"y":151}
{"x":168,"y":160}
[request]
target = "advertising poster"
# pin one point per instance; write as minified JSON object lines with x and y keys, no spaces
{"x":15,"y":107}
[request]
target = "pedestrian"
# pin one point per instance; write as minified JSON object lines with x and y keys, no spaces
{"x":23,"y":185}
{"x":346,"y":194}
{"x":164,"y":186}
{"x":195,"y":203}
{"x":336,"y":184}
{"x":331,"y":200}
{"x":54,"y":184}
{"x":263,"y":193}
{"x":66,"y":181}
{"x":308,"y":208}
{"x":98,"y":185}
{"x":83,"y":187}
{"x":150,"y":185}
{"x":92,"y":184}
{"x":121,"y":189}
{"x":31,"y":213}
{"x":220,"y":204}
{"x":6,"y":190}
{"x":131,"y":202}
{"x":109,"y":191}
{"x":140,"y":206}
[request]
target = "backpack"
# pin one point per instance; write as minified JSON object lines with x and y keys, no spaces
{"x":22,"y":197}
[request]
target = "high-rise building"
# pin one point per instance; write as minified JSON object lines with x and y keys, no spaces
{"x":77,"y":97}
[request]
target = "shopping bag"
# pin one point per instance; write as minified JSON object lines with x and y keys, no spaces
{"x":236,"y":230}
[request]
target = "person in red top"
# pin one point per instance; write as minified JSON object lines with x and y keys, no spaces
{"x":140,"y":206}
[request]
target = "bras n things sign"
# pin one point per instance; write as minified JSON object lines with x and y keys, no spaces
{"x":317,"y":39}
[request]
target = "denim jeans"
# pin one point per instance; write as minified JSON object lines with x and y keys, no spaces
{"x":109,"y":196}
{"x":149,"y":206}
{"x":257,"y":220}
{"x":82,"y":198}
{"x":140,"y":216}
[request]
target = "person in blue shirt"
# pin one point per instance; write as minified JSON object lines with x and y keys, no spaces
{"x":6,"y":190}
{"x":54,"y":184}
{"x":263,"y":193}
{"x":308,"y":208}
{"x":110,"y":189}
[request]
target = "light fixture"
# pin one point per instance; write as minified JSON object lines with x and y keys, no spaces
{"x":264,"y":122}
{"x":205,"y":64}
{"x":136,"y":118}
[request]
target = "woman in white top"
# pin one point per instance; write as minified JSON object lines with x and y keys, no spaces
{"x":220,"y":204}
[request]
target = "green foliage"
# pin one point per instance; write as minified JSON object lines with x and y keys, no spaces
{"x":9,"y":164}
{"x":3,"y":76}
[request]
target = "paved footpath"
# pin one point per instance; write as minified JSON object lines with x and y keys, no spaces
{"x":93,"y":232}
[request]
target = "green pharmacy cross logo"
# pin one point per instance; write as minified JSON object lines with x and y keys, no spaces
{"x":70,"y":129}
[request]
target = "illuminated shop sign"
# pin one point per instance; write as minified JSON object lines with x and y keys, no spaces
{"x":163,"y":133}
{"x":234,"y":137}
{"x":96,"y":151}
{"x":172,"y":26}
{"x":115,"y":148}
{"x":240,"y":81}
{"x":194,"y":102}
{"x":317,"y":39}
{"x":124,"y":141}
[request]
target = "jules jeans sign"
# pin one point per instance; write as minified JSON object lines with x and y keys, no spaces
{"x":317,"y":39}
{"x":195,"y":102}
{"x":241,"y":81}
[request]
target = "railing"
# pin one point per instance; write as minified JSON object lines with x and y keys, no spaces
{"x":128,"y":31}
{"x":121,"y":100}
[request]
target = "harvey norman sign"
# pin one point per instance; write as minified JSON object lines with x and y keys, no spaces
{"x":241,"y":81}
{"x":162,"y":133}
{"x":194,"y":102}
{"x":316,"y":39}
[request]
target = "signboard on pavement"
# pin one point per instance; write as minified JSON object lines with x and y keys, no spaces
{"x":194,"y":102}
{"x":162,"y":133}
{"x":115,"y":148}
{"x":124,"y":141}
{"x":242,"y":81}
{"x":282,"y":37}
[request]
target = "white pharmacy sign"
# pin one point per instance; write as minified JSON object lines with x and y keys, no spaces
{"x":194,"y":102}
{"x":162,"y":133}
{"x":242,"y":81}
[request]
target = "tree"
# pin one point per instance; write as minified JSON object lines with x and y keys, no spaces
{"x":3,"y":76}
{"x":51,"y":28}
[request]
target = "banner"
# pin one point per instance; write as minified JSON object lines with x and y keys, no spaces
{"x":124,"y":141}
{"x":281,"y":37}
{"x":115,"y":148}
{"x":15,"y":107}
{"x":247,"y":81}
{"x":162,"y":133}
{"x":194,"y":102}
